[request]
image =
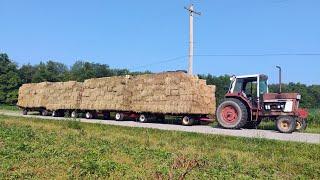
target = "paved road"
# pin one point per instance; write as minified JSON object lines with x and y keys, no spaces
{"x":249,"y":133}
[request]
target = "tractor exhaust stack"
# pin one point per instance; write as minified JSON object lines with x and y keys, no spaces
{"x":280,"y":78}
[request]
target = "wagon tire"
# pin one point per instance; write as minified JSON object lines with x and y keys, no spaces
{"x":44,"y":112}
{"x":143,"y":118}
{"x":89,"y":115}
{"x":25,"y":112}
{"x":119,"y":116}
{"x":74,"y":114}
{"x":55,"y":113}
{"x":187,"y":121}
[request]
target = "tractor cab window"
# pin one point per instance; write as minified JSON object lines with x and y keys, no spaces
{"x":248,"y":87}
{"x":238,"y":86}
{"x":251,"y":89}
{"x":263,"y":87}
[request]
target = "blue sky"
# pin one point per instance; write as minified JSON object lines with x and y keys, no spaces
{"x":139,"y":34}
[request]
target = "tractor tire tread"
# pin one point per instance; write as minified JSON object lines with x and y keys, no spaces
{"x":244,"y":112}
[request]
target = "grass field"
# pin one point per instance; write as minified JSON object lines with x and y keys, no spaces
{"x":32,"y":148}
{"x":8,"y":107}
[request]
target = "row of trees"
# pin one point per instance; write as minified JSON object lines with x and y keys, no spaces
{"x":12,"y":77}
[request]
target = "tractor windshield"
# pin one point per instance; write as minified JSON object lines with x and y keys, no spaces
{"x":263,"y":87}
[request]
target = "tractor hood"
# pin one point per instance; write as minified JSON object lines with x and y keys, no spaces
{"x":273,"y":96}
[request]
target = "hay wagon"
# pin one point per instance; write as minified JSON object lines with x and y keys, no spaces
{"x":142,"y":97}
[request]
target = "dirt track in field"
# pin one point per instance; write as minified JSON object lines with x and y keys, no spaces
{"x":248,"y":133}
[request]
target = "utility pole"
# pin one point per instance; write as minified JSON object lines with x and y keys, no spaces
{"x":191,"y":14}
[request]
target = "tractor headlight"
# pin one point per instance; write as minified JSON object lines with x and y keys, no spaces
{"x":267,"y":107}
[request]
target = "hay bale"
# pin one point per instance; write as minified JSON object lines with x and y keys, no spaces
{"x":109,"y":93}
{"x":64,"y":95}
{"x":50,"y":95}
{"x":33,"y":95}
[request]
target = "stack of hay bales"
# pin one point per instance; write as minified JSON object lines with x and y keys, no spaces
{"x":109,"y":93}
{"x":64,"y":95}
{"x":175,"y":93}
{"x":168,"y":93}
{"x":34,"y":95}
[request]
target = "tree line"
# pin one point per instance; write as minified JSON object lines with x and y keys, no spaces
{"x":12,"y":77}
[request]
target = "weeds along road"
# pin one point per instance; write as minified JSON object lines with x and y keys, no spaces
{"x":248,"y":133}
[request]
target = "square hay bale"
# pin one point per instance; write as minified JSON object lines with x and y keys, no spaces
{"x":65,"y":94}
{"x":33,"y":95}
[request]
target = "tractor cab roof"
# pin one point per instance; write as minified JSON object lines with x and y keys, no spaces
{"x":252,"y":77}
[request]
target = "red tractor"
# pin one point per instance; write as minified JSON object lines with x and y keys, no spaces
{"x":248,"y":102}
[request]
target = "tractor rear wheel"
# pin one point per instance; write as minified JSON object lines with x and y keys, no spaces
{"x":286,"y":124}
{"x":301,"y":124}
{"x":232,"y":114}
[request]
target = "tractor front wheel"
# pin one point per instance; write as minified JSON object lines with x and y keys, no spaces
{"x":286,"y":124}
{"x":232,"y":114}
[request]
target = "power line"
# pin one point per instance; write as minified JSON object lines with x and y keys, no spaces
{"x":160,"y":62}
{"x":179,"y":58}
{"x":255,"y":55}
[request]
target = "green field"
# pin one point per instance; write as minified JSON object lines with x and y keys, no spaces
{"x":8,"y":107}
{"x":33,"y":148}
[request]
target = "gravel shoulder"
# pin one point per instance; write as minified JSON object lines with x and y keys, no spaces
{"x":247,"y":133}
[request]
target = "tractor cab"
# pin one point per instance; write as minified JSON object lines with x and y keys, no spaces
{"x":249,"y":87}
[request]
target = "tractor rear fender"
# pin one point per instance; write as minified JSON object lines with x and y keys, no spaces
{"x":244,"y":100}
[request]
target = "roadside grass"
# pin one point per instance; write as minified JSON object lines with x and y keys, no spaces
{"x":8,"y":107}
{"x":36,"y":148}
